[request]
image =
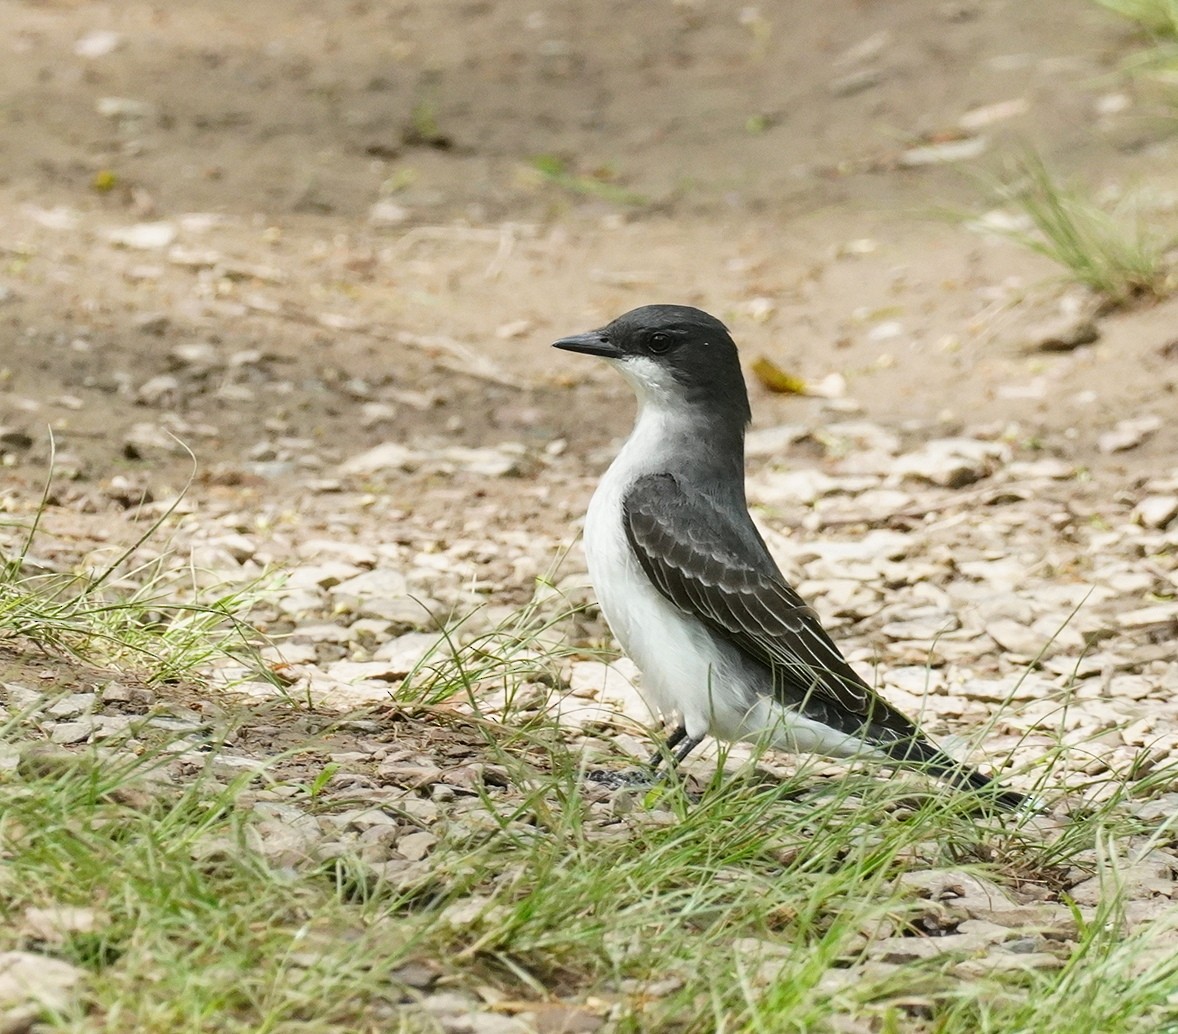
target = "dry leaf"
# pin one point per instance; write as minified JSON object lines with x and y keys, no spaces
{"x":776,"y":379}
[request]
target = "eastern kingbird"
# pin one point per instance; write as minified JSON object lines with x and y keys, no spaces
{"x":687,"y":584}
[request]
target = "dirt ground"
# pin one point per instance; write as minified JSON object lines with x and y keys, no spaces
{"x":242,"y":245}
{"x":256,"y":242}
{"x":760,"y":148}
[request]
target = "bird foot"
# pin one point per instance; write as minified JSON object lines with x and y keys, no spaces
{"x":636,"y":778}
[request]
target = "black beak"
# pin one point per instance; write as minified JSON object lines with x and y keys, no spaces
{"x":594,"y":342}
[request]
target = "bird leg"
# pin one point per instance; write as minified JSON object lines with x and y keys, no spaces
{"x":674,"y":737}
{"x":649,"y":774}
{"x":677,"y":737}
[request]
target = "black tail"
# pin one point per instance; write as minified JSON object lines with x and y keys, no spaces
{"x":894,"y":734}
{"x":920,"y":753}
{"x":987,"y":788}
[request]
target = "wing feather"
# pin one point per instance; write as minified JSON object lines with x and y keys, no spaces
{"x":724,"y":576}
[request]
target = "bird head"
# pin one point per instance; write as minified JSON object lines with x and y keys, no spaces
{"x":673,"y":356}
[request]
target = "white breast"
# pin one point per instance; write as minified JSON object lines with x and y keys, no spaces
{"x":680,"y":669}
{"x":683,"y":671}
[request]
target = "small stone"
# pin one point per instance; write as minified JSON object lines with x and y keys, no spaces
{"x":241,"y":271}
{"x":285,"y":843}
{"x":240,"y":547}
{"x":417,"y":973}
{"x":487,"y":462}
{"x":952,"y":462}
{"x":773,"y":441}
{"x":988,"y":114}
{"x":1047,"y":467}
{"x":977,"y":897}
{"x":387,"y":213}
{"x":489,"y":1023}
{"x":143,"y":236}
{"x":373,"y":413}
{"x":513,"y":329}
{"x":108,"y":727}
{"x":1112,"y":103}
{"x":143,"y":439}
{"x":408,"y":652}
{"x":290,"y":653}
{"x":924,"y":625}
{"x":124,"y":109}
{"x":378,"y":582}
{"x":389,"y":456}
{"x":415,"y":846}
{"x":866,"y":50}
{"x":321,"y":576}
{"x":97,"y":43}
{"x":326,"y":632}
{"x":589,"y":678}
{"x":1129,"y":433}
{"x":299,"y":603}
{"x":154,"y":323}
{"x":888,"y":330}
{"x":943,"y":153}
{"x":1156,"y":511}
{"x":53,"y":924}
{"x":21,"y":698}
{"x":1160,"y":616}
{"x":794,"y":487}
{"x":116,"y":693}
{"x":199,"y":356}
{"x":186,"y":724}
{"x":414,"y":611}
{"x":10,"y":438}
{"x":855,"y":82}
{"x":230,"y":766}
{"x":193,"y":258}
{"x":362,"y":819}
{"x":66,"y":733}
{"x":71,"y":706}
{"x":411,"y":777}
{"x":1063,"y":333}
{"x":1011,"y":687}
{"x":1017,"y":638}
{"x":154,"y":391}
{"x":31,"y":983}
{"x":353,"y":552}
{"x":1005,"y":962}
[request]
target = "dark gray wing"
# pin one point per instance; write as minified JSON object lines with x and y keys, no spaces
{"x":721,"y":573}
{"x":724,"y":576}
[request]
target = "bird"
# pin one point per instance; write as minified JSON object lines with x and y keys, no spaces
{"x":725,"y":645}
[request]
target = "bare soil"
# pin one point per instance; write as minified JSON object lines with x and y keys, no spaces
{"x":192,"y":261}
{"x":756,"y":157}
{"x":242,"y":244}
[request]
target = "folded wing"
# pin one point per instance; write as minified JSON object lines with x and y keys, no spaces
{"x":724,"y":575}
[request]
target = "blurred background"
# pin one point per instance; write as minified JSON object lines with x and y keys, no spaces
{"x":341,"y":223}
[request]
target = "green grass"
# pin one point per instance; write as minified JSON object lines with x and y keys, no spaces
{"x":752,"y":908}
{"x":748,"y":905}
{"x":1157,"y":21}
{"x":1157,"y":18}
{"x":194,"y":930}
{"x":150,"y":616}
{"x":1116,"y":253}
{"x":599,"y":184}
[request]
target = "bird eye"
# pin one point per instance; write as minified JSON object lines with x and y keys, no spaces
{"x":659,"y":343}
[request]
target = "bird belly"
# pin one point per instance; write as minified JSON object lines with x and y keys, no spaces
{"x":714,"y":687}
{"x":681,"y":670}
{"x":785,"y":728}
